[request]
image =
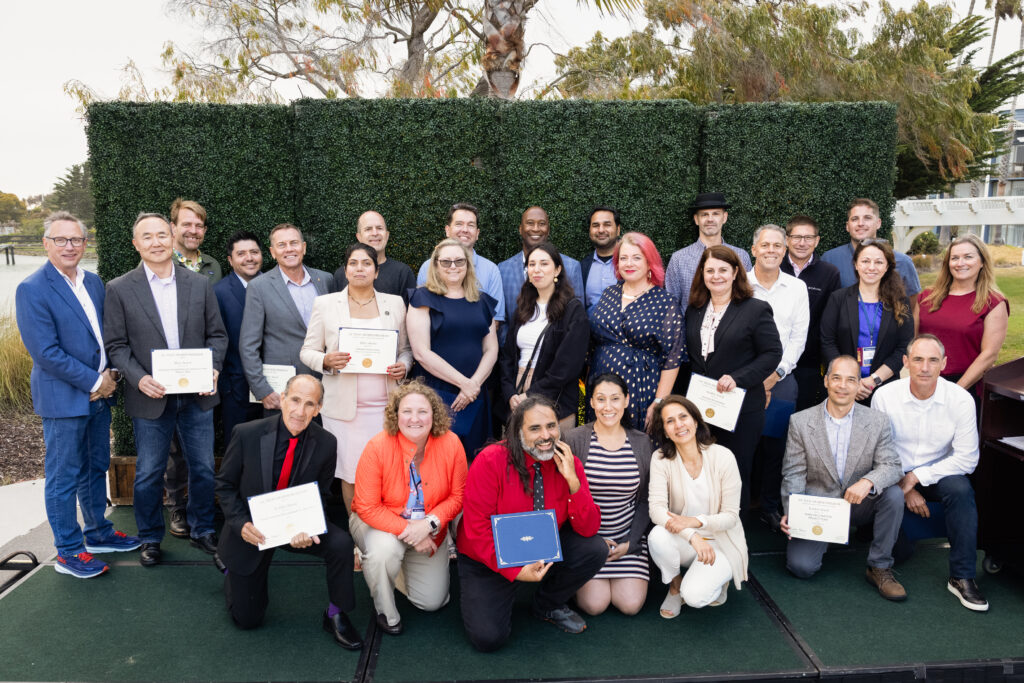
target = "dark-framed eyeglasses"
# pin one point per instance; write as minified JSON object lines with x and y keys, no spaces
{"x":63,"y":241}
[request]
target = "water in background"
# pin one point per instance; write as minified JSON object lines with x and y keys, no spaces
{"x":24,"y":266}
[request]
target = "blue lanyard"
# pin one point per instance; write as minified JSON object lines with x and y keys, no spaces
{"x":863,"y":311}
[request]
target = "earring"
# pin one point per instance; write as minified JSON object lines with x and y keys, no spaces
{"x":648,"y":275}
{"x":556,"y":279}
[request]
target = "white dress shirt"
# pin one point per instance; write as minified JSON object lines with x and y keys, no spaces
{"x":82,"y":294}
{"x":937,"y":437}
{"x":165,"y":295}
{"x":791,"y":310}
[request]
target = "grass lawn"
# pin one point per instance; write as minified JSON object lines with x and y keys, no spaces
{"x":1011,"y":283}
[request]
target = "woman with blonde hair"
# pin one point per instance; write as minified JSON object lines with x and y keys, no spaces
{"x":452,"y":333}
{"x":409,"y":486}
{"x":966,"y":311}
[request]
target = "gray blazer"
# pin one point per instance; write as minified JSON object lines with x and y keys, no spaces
{"x":809,"y":466}
{"x":272,"y":329}
{"x":132,"y":329}
{"x":579,"y":443}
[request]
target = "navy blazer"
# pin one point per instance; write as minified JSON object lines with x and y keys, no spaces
{"x":230,"y":295}
{"x":747,"y":347}
{"x":840,"y":326}
{"x":65,"y":352}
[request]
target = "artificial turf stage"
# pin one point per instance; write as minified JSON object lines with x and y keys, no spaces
{"x":169,"y":623}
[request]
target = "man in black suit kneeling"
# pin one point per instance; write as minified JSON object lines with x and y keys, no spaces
{"x":271,"y":454}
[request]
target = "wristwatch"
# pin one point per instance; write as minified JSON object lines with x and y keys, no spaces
{"x":876,"y":379}
{"x":435,"y":524}
{"x":781,"y":373}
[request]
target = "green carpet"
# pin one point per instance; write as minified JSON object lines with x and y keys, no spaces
{"x":169,"y":623}
{"x":847,"y":623}
{"x":739,"y":636}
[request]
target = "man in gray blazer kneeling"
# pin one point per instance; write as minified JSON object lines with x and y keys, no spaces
{"x":822,"y":459}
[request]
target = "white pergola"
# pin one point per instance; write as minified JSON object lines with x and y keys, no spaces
{"x":914,"y":216}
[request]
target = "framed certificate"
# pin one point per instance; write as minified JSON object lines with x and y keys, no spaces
{"x":816,"y":518}
{"x":277,"y":376}
{"x":371,"y":350}
{"x":526,"y":537}
{"x":183,"y":371}
{"x":719,"y":409}
{"x":282,"y":515}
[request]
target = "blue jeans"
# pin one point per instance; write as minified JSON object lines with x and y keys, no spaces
{"x":194,"y":427}
{"x":77,"y":459}
{"x":961,"y":517}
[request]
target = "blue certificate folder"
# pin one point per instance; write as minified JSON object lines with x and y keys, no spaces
{"x":526,"y":537}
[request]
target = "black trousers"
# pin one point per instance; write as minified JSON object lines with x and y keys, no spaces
{"x":810,"y":387}
{"x":488,"y":597}
{"x":247,"y":596}
{"x":743,"y":442}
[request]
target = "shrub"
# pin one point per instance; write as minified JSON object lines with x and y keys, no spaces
{"x":15,"y":367}
{"x":925,"y":243}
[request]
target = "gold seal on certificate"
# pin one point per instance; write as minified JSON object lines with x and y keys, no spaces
{"x":183,"y":371}
{"x":720,"y":409}
{"x":277,"y":377}
{"x":375,"y":349}
{"x":817,"y":518}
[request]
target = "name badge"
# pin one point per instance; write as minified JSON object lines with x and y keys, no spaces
{"x":865,"y":355}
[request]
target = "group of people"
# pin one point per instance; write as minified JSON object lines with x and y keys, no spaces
{"x":477,"y":416}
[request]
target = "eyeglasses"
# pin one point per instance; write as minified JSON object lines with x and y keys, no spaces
{"x":803,"y":238}
{"x":63,"y":241}
{"x":449,"y":262}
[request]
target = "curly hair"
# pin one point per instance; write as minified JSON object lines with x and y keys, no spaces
{"x":661,"y":437}
{"x":890,"y":289}
{"x":441,"y":418}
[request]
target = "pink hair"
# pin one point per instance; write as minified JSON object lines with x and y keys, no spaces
{"x":650,"y":252}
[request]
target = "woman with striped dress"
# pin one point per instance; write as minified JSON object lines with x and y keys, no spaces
{"x":617,"y":462}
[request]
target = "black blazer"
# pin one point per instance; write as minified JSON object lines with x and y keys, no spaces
{"x":579,"y":443}
{"x":747,"y":347}
{"x":558,"y":363}
{"x":230,"y":295}
{"x":840,"y":325}
{"x":247,"y":470}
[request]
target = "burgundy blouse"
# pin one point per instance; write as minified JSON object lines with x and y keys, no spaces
{"x":958,"y":327}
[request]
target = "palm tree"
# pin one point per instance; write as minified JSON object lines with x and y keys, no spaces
{"x":502,"y":35}
{"x":1004,"y":9}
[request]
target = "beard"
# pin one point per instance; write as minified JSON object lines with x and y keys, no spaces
{"x":536,"y":453}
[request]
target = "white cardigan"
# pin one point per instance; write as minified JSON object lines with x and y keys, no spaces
{"x":330,"y":312}
{"x":666,"y":493}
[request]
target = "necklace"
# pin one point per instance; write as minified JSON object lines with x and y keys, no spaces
{"x":633,"y":297}
{"x":361,"y":303}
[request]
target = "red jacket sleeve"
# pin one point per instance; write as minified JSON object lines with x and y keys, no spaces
{"x":483,"y":489}
{"x":584,"y":515}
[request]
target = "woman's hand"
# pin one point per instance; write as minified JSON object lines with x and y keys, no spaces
{"x":396,"y":371}
{"x":336,"y":360}
{"x":677,"y":523}
{"x":516,"y":400}
{"x":705,"y":553}
{"x":415,"y":531}
{"x":725,"y":383}
{"x":618,"y":551}
{"x":867,"y":385}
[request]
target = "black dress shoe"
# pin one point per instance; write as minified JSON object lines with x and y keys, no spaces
{"x":382,"y":624}
{"x":178,"y":526}
{"x":562,"y":617}
{"x":150,"y":555}
{"x":207,"y":543}
{"x":344,"y":632}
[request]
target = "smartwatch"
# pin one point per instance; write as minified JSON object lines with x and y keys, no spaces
{"x":781,"y":373}
{"x":876,"y":379}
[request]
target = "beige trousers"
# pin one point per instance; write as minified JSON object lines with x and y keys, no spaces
{"x":389,"y":564}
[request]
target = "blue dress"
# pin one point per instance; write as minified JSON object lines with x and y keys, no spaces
{"x":636,"y":343}
{"x":457,"y":331}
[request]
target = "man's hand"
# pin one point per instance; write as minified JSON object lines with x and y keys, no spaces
{"x":858,"y":492}
{"x":106,"y":388}
{"x":771,"y":381}
{"x":304,"y":540}
{"x":908,"y":482}
{"x":337,"y":360}
{"x":532,"y":573}
{"x":150,"y":387}
{"x":211,"y":393}
{"x":784,"y":525}
{"x":396,"y":371}
{"x":272,"y":401}
{"x":414,"y":532}
{"x":705,"y":553}
{"x":916,"y":503}
{"x":564,"y":460}
{"x":252,"y":536}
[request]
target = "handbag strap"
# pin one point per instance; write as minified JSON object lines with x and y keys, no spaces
{"x":529,"y":365}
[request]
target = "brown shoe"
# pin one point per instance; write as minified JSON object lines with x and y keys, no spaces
{"x":887,"y":585}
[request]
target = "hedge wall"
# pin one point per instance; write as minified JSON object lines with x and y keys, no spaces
{"x":320,"y":163}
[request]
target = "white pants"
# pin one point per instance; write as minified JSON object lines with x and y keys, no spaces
{"x":702,"y":584}
{"x":389,"y":563}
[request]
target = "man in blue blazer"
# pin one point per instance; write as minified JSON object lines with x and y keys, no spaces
{"x":246,"y":260}
{"x":60,"y":313}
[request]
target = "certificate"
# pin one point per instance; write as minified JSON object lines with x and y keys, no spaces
{"x":281,"y":515}
{"x":816,"y":518}
{"x":721,"y":410}
{"x":526,"y":537}
{"x":277,"y":376}
{"x":371,"y":351}
{"x":183,"y":371}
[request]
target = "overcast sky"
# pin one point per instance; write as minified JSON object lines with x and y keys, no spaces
{"x":44,"y":44}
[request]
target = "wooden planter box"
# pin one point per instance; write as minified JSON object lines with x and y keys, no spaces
{"x":122,"y":478}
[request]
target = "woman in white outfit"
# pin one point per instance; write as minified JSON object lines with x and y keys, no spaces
{"x":694,"y":501}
